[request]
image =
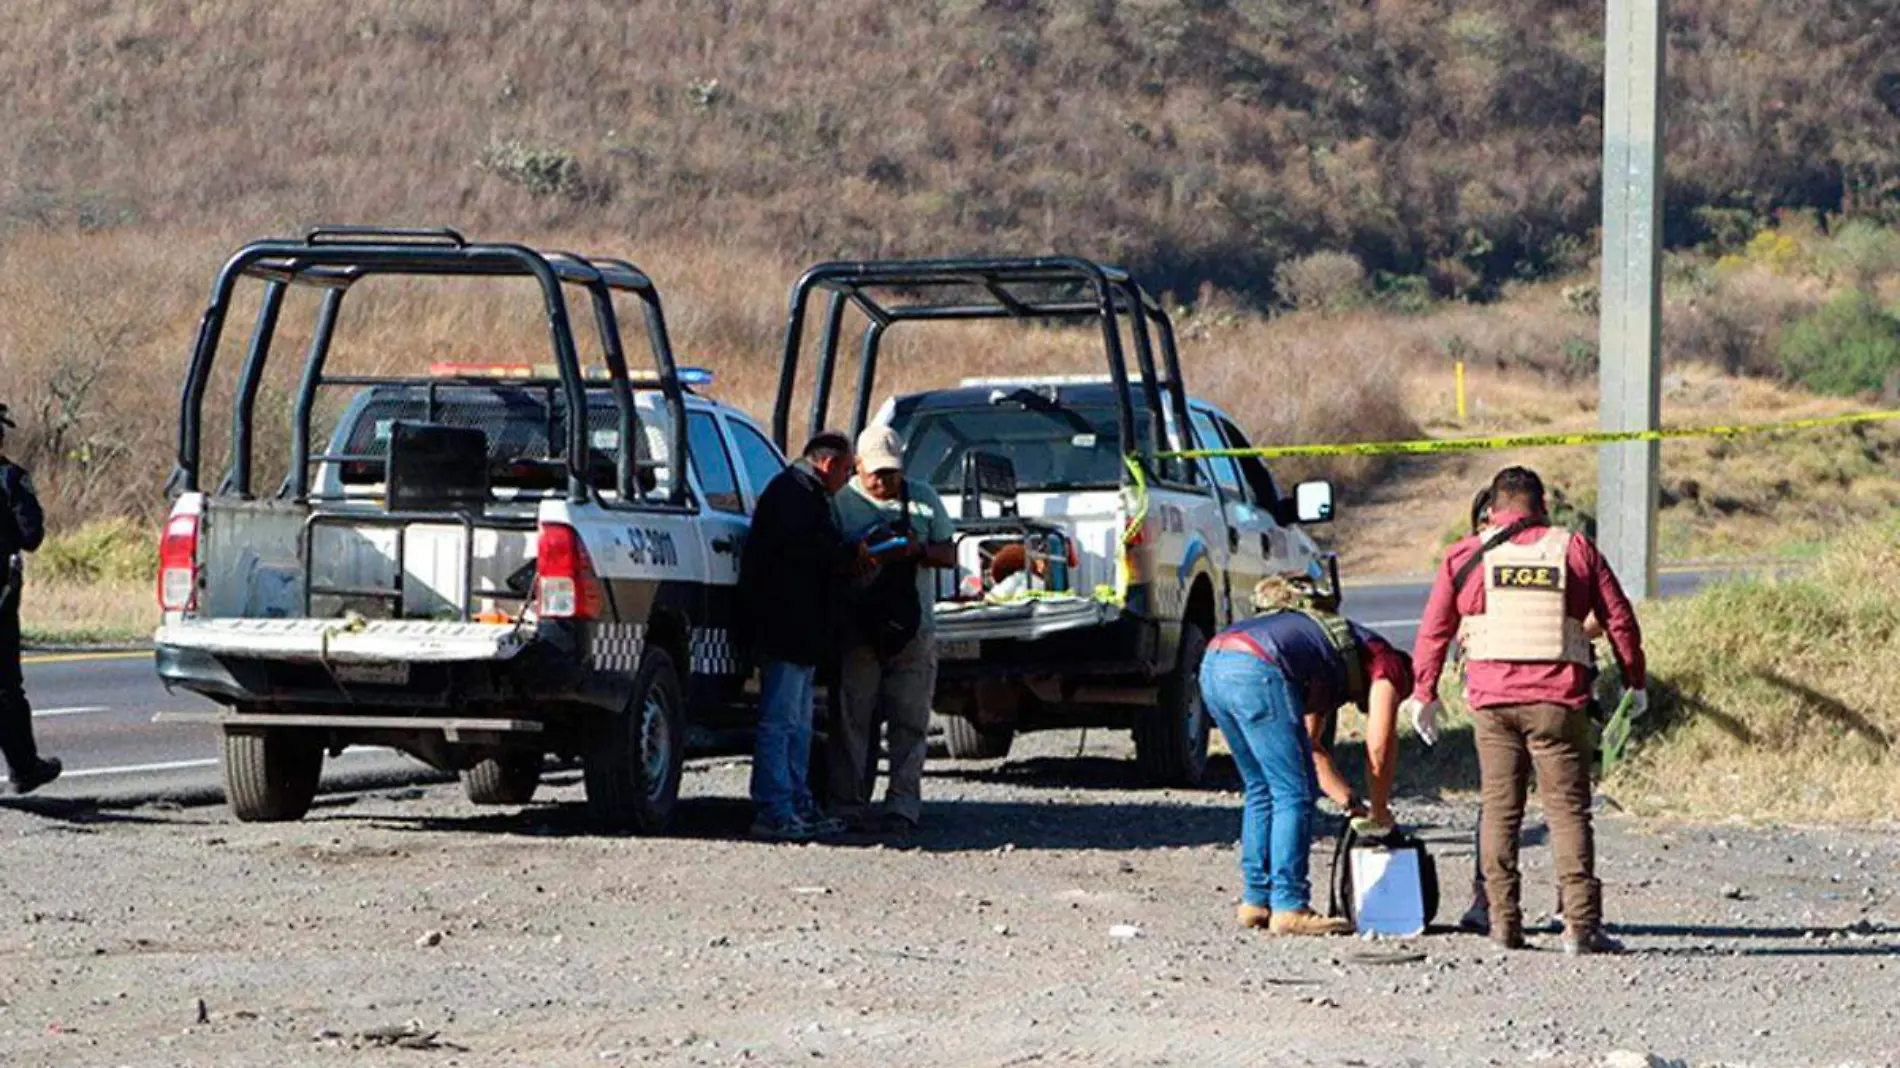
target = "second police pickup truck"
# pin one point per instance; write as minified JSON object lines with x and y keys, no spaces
{"x":1093,"y":565}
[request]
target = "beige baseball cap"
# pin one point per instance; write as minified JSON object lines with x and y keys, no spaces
{"x":881,"y":449}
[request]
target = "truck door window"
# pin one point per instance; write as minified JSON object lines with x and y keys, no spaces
{"x":712,"y":465}
{"x":760,"y":461}
{"x":1252,"y":468}
{"x":1226,"y":473}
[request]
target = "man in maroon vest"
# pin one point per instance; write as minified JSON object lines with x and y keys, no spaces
{"x":1521,"y":590}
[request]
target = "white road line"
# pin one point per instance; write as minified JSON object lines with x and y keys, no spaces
{"x":76,"y":710}
{"x":184,"y":765}
{"x":1394,"y":623}
{"x":140,"y":769}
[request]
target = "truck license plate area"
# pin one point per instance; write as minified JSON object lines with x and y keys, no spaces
{"x":373,"y":674}
{"x":960,"y":650}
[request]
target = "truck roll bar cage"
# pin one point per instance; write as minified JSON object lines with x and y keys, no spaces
{"x":1053,"y":288}
{"x":335,"y":258}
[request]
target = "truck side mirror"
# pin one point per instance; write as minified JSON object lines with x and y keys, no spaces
{"x":1313,"y":502}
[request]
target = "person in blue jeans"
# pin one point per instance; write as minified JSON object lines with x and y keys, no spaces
{"x":1274,"y":685}
{"x":792,"y":576}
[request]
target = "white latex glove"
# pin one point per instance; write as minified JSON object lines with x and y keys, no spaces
{"x":1424,"y":717}
{"x":1639,"y":703}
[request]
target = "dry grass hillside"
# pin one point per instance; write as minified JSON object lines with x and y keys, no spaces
{"x":1340,"y":203}
{"x":1790,"y":717}
{"x":1451,"y":144}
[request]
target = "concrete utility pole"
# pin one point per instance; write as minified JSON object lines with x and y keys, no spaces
{"x":1630,"y":344}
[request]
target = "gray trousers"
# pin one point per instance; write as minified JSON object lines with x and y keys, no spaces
{"x":897,"y":690}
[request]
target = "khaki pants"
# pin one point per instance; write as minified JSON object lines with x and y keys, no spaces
{"x":1556,"y":741}
{"x":898,"y":690}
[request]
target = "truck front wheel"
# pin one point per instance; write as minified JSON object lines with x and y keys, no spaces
{"x":632,"y":766}
{"x":507,"y":778}
{"x":1171,"y":739}
{"x":271,"y":776}
{"x":967,"y":739}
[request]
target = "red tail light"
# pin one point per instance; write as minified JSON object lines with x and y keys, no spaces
{"x":567,"y":587}
{"x":178,"y":564}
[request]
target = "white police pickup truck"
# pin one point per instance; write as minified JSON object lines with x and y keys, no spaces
{"x":1094,"y":561}
{"x":467,"y":572}
{"x":1040,"y":636}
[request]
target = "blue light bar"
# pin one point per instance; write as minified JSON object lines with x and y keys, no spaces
{"x":695,"y":376}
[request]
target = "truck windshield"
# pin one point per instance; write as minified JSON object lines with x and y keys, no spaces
{"x":1053,"y":447}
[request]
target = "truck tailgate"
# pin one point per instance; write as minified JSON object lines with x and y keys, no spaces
{"x":1025,"y":620}
{"x":336,"y":640}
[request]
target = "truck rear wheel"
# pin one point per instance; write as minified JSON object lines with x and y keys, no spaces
{"x":632,"y":767}
{"x":271,"y":776}
{"x":1171,"y":739}
{"x":507,"y":778}
{"x":969,"y":740}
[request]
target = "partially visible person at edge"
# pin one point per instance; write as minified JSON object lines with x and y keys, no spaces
{"x":1521,"y":591}
{"x":792,"y":576}
{"x":888,"y":671}
{"x":22,"y":528}
{"x":1274,"y":685}
{"x":1477,"y":918}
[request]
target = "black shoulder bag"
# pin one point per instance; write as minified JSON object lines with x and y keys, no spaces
{"x":887,"y":611}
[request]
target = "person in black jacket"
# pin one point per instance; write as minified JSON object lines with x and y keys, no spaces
{"x":22,"y":528}
{"x":792,"y":576}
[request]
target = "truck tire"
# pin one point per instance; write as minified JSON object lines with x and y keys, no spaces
{"x":271,"y":776}
{"x":969,"y":740}
{"x":507,"y":778}
{"x":632,"y":766}
{"x":1171,"y":739}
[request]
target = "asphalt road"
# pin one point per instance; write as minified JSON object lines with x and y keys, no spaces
{"x":94,"y":711}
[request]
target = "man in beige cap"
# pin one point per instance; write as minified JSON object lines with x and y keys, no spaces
{"x":888,"y":671}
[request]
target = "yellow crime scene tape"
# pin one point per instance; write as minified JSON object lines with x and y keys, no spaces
{"x":1118,"y":594}
{"x":1427,"y":446}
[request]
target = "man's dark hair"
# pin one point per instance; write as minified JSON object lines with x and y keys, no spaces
{"x":829,"y":441}
{"x":1518,"y":484}
{"x":1480,"y":509}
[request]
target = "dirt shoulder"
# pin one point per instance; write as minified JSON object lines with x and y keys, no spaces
{"x":515,"y":938}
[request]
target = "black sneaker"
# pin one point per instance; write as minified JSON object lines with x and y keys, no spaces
{"x":43,"y":771}
{"x":1477,"y":918}
{"x":897,"y":825}
{"x":823,"y":826}
{"x":789,"y":829}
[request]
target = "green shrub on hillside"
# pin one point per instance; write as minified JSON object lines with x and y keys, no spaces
{"x":1850,"y":345}
{"x":545,"y":172}
{"x":111,"y":550}
{"x":1322,"y":282}
{"x":1861,"y":252}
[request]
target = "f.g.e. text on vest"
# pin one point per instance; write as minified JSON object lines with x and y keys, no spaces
{"x":1524,"y":616}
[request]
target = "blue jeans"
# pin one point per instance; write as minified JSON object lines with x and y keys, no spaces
{"x":781,"y":754}
{"x":1262,"y":718}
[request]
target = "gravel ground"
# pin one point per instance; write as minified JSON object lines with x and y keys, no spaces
{"x":409,"y":928}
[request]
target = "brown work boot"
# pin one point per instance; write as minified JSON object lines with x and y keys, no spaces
{"x":1257,"y":916}
{"x":1307,"y":922}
